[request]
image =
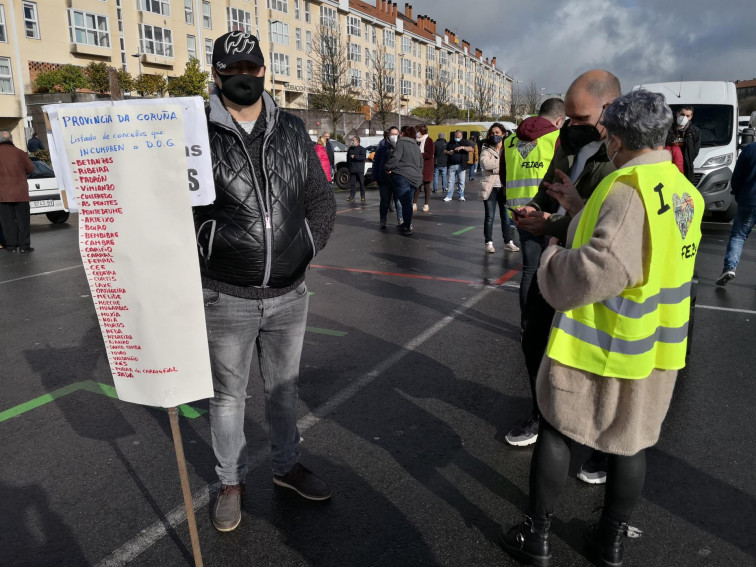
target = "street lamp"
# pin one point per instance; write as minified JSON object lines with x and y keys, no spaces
{"x":138,"y":55}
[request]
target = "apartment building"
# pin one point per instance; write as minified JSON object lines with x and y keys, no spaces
{"x":160,"y":36}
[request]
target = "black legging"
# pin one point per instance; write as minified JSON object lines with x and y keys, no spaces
{"x":537,"y":319}
{"x":549,"y":468}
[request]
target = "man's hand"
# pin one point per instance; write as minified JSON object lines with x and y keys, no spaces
{"x":534,"y":222}
{"x":566,"y":193}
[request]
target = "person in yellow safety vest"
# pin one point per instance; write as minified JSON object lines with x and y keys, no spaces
{"x":622,"y":294}
{"x":527,"y":156}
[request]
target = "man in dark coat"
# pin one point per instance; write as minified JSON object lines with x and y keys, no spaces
{"x":440,"y":158}
{"x":15,"y":165}
{"x":34,"y":144}
{"x":356,"y":156}
{"x":688,"y":139}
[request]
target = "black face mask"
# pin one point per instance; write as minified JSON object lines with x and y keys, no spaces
{"x":575,"y":137}
{"x":245,"y":90}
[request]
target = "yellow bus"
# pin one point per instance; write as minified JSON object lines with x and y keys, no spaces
{"x":467,"y":129}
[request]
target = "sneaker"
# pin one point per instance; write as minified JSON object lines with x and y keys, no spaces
{"x":489,"y":248}
{"x":447,"y":199}
{"x":726,"y":277}
{"x":350,"y":199}
{"x":510,"y":246}
{"x":426,"y":208}
{"x":302,"y":481}
{"x":26,"y":249}
{"x":363,"y":200}
{"x":414,"y":207}
{"x":227,"y":510}
{"x":593,"y":470}
{"x":383,"y":223}
{"x":461,"y":198}
{"x":526,"y":433}
{"x":11,"y":249}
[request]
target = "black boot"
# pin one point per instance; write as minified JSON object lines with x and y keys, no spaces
{"x":529,"y":541}
{"x":605,"y":540}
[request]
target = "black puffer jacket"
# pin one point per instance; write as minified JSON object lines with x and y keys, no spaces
{"x":256,"y":233}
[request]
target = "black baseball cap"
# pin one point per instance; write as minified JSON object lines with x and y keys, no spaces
{"x":236,"y":46}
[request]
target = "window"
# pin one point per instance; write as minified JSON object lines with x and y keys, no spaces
{"x":430,"y":53}
{"x":280,"y":5}
{"x":208,"y":52}
{"x":309,"y":70}
{"x":443,"y":57}
{"x":460,"y":75}
{"x":281,"y":64}
{"x":389,"y":61}
{"x":327,"y":17}
{"x":430,"y":73}
{"x":3,"y":33}
{"x":354,"y":52}
{"x":367,"y":56}
{"x":191,"y":46}
{"x":298,"y":36}
{"x":406,"y":44}
{"x":6,"y":77}
{"x":155,"y":40}
{"x":207,"y":16}
{"x":239,"y":20}
{"x":308,"y":17}
{"x":415,"y":49}
{"x":406,"y":66}
{"x":279,"y":33}
{"x":162,"y":7}
{"x":297,"y":15}
{"x":444,"y":76}
{"x":389,"y":40}
{"x":459,"y":59}
{"x":88,"y":29}
{"x":353,"y":26}
{"x":355,"y":78}
{"x":373,"y":35}
{"x":189,"y":11}
{"x":419,"y":70}
{"x":388,"y":83}
{"x":31,"y":22}
{"x":367,"y":31}
{"x":299,"y":68}
{"x":308,"y":41}
{"x":406,"y":87}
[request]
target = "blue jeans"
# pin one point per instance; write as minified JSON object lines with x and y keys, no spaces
{"x":473,"y":168}
{"x":405,"y":193}
{"x":456,"y":174}
{"x":276,"y":327}
{"x":497,"y":197}
{"x":436,"y":171}
{"x":745,"y":218}
{"x":386,"y":191}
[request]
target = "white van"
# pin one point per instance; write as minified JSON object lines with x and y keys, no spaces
{"x":715,"y":113}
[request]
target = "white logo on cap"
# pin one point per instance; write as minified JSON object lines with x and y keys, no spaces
{"x":239,"y":42}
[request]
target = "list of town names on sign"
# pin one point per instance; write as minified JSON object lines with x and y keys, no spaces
{"x":136,"y":240}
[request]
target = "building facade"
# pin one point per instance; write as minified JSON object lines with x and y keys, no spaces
{"x":160,"y":36}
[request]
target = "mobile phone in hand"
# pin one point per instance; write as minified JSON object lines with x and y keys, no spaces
{"x":517,"y":213}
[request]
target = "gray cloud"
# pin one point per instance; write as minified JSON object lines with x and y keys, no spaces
{"x":641,"y":41}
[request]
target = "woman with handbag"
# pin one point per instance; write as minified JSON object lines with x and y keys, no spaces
{"x":491,"y":192}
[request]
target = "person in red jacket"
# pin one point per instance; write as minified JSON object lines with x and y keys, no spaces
{"x":15,"y":165}
{"x":672,"y":148}
{"x":427,"y":149}
{"x":320,"y":149}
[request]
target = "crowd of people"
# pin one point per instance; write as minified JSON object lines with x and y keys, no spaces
{"x":601,"y":213}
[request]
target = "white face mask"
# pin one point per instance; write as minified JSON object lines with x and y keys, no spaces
{"x":394,"y":138}
{"x":682,"y":120}
{"x":606,"y":144}
{"x":458,"y":139}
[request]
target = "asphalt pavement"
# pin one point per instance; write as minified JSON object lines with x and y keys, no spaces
{"x":412,"y":374}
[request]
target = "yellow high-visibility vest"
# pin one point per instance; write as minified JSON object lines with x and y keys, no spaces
{"x":527,"y":163}
{"x":645,"y":327}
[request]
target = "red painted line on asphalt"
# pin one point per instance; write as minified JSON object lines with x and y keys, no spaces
{"x":500,"y":281}
{"x":508,"y":276}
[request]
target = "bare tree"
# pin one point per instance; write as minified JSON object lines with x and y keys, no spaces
{"x":331,"y":84}
{"x":483,"y":97}
{"x":532,"y":98}
{"x":381,"y":84}
{"x":516,"y":102}
{"x":439,"y":94}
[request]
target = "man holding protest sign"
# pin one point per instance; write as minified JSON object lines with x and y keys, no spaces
{"x":273,"y":212}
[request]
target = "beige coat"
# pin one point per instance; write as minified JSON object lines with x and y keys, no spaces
{"x":615,"y":415}
{"x":490,"y":161}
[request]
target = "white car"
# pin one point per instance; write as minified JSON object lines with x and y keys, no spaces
{"x":44,"y":195}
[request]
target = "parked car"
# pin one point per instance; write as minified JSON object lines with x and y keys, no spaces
{"x":44,"y":195}
{"x":342,"y":170}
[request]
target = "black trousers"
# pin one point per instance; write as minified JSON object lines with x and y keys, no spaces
{"x":14,"y":218}
{"x":537,"y":319}
{"x":549,"y":468}
{"x":356,"y":177}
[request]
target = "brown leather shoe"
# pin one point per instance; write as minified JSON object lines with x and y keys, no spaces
{"x":227,"y":510}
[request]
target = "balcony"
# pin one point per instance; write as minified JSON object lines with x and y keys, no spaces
{"x":84,"y":49}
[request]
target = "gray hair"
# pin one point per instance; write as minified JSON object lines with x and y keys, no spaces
{"x":5,"y":136}
{"x":639,"y":118}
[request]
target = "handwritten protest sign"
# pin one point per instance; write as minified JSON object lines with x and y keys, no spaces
{"x":128,"y":167}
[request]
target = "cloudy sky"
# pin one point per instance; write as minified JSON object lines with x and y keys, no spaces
{"x":641,"y":41}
